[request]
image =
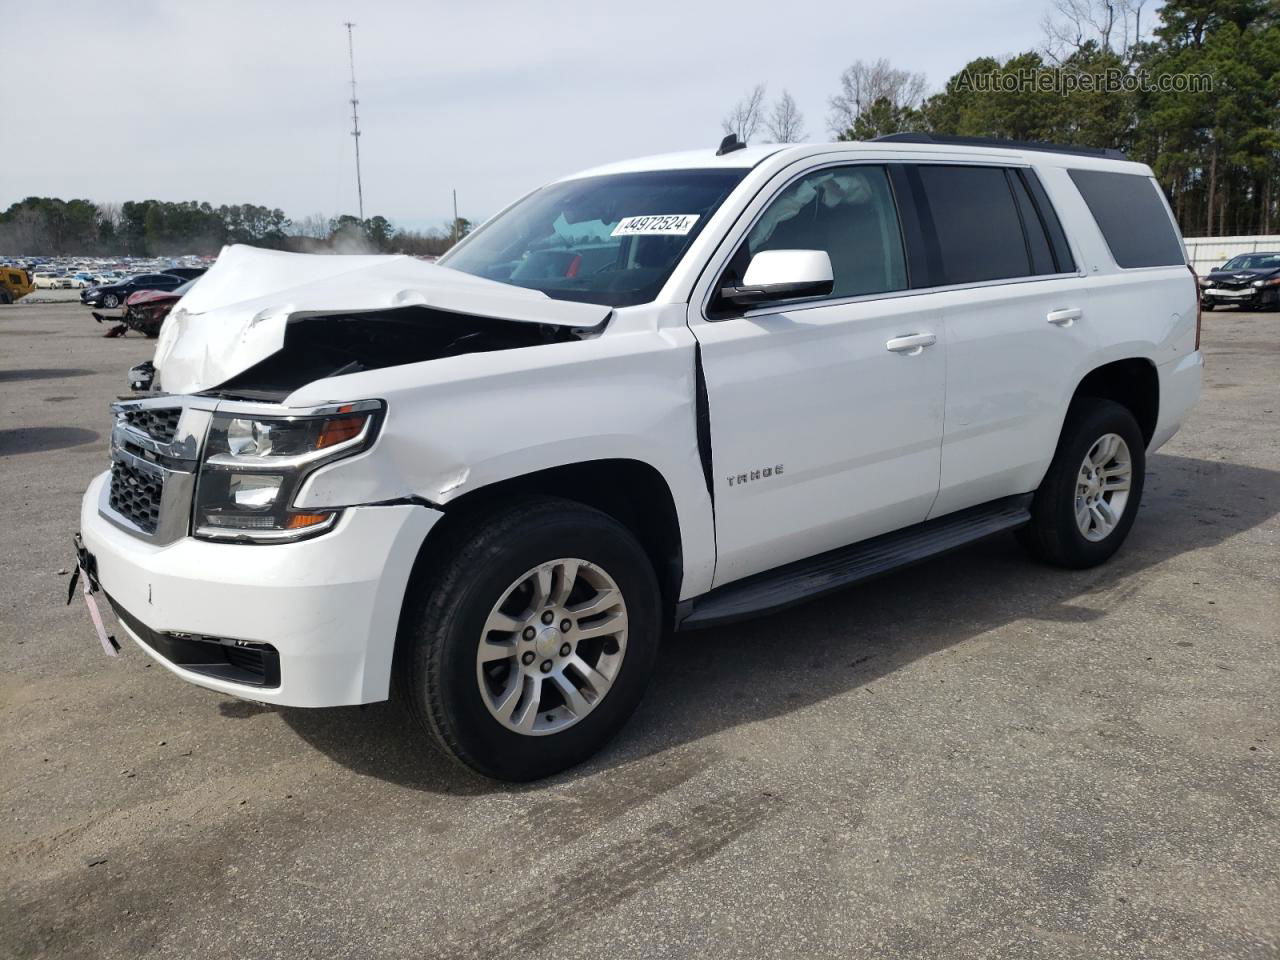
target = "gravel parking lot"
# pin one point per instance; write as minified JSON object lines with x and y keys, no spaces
{"x":978,"y":757}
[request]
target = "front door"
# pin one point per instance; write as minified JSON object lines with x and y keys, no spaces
{"x":825,"y":419}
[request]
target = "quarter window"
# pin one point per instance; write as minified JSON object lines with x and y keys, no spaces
{"x":847,"y":211}
{"x":1132,"y":216}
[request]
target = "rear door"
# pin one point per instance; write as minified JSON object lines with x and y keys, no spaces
{"x":1018,"y":325}
{"x":824,"y":428}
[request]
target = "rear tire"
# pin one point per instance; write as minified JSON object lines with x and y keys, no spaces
{"x":508,"y":715}
{"x":1089,"y":498}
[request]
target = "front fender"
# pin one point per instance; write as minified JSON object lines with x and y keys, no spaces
{"x":458,"y":424}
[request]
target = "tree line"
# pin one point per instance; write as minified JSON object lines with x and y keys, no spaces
{"x":49,"y":226}
{"x":1193,"y":90}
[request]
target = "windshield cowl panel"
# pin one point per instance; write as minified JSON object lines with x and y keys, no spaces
{"x":609,"y":240}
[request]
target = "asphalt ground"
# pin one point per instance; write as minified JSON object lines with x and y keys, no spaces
{"x":977,"y":757}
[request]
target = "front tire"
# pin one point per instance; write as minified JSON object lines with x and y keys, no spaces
{"x":1086,"y":505}
{"x":530,"y":639}
{"x":111,"y":301}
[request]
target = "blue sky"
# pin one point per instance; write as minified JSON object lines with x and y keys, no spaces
{"x":247,"y":102}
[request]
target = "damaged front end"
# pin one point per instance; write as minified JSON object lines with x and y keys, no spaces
{"x":269,"y":322}
{"x":211,"y":445}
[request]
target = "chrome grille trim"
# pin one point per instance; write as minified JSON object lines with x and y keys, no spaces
{"x":170,"y":461}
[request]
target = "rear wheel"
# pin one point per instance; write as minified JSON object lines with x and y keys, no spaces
{"x":1087,"y":503}
{"x":530,"y":640}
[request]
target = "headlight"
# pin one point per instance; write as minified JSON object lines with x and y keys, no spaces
{"x":254,"y":466}
{"x":1258,"y":283}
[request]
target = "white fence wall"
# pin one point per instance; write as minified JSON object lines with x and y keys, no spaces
{"x":1209,"y":252}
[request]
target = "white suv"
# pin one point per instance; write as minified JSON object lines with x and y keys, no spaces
{"x":662,"y":394}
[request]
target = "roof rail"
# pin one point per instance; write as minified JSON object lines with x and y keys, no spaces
{"x":1107,"y":153}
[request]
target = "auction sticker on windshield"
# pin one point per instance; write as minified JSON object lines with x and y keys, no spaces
{"x":663,"y":225}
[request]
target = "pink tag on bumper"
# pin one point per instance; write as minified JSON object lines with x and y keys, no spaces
{"x":108,"y":642}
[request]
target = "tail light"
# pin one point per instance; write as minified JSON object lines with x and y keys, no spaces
{"x":1195,"y":282}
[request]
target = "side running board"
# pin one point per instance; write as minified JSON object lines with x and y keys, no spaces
{"x":803,"y":580}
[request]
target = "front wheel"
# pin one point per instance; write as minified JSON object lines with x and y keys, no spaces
{"x":1083,"y":510}
{"x":111,"y":301}
{"x":529,"y":641}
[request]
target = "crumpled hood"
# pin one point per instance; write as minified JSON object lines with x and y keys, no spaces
{"x":235,"y":316}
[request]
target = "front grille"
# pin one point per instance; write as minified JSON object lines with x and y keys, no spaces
{"x":135,"y":495}
{"x":159,"y":423}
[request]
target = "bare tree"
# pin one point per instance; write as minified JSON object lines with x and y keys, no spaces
{"x":1114,"y":25}
{"x":862,"y":84}
{"x":785,"y":122}
{"x":744,"y":118}
{"x":109,"y":213}
{"x":315,"y":226}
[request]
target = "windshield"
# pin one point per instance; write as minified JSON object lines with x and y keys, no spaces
{"x":1254,"y":261}
{"x":611,"y":240}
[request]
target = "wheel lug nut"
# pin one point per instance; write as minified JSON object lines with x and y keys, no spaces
{"x":548,"y":616}
{"x":565,"y":649}
{"x":527,"y":658}
{"x":529,"y":632}
{"x":565,"y":626}
{"x":546,"y":666}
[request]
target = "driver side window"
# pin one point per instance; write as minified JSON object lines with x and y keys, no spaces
{"x":847,"y":211}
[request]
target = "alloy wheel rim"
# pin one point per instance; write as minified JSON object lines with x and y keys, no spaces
{"x":551,"y":647}
{"x":1102,"y":487}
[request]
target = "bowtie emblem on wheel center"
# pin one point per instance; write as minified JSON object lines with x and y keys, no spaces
{"x":548,"y":642}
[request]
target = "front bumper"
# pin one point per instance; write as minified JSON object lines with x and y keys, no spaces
{"x":328,"y":608}
{"x":1251,"y":298}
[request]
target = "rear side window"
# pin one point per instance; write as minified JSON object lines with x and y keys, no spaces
{"x":1132,"y":217}
{"x":976,"y":220}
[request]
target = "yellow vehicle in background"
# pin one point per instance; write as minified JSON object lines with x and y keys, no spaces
{"x":15,"y":283}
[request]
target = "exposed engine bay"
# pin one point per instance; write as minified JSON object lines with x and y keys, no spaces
{"x":317,"y":347}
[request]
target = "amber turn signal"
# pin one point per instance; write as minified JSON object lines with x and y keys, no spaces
{"x":298,"y":521}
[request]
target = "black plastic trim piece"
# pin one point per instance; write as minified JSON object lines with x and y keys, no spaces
{"x":702,"y":420}
{"x":237,"y":661}
{"x":807,"y":579}
{"x":1062,"y":257}
{"x":1108,"y":153}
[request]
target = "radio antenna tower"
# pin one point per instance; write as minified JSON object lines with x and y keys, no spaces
{"x":355,"y":117}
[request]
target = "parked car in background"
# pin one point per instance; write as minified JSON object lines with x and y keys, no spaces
{"x":47,"y":280}
{"x":1250,"y":281}
{"x":113,"y":295}
{"x":188,"y":273}
{"x":145,"y":311}
{"x":79,"y":281}
{"x":15,"y":283}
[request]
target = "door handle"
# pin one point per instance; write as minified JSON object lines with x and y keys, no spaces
{"x":1064,"y":318}
{"x":911,"y":345}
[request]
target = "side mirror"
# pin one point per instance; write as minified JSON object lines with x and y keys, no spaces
{"x":776,"y":275}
